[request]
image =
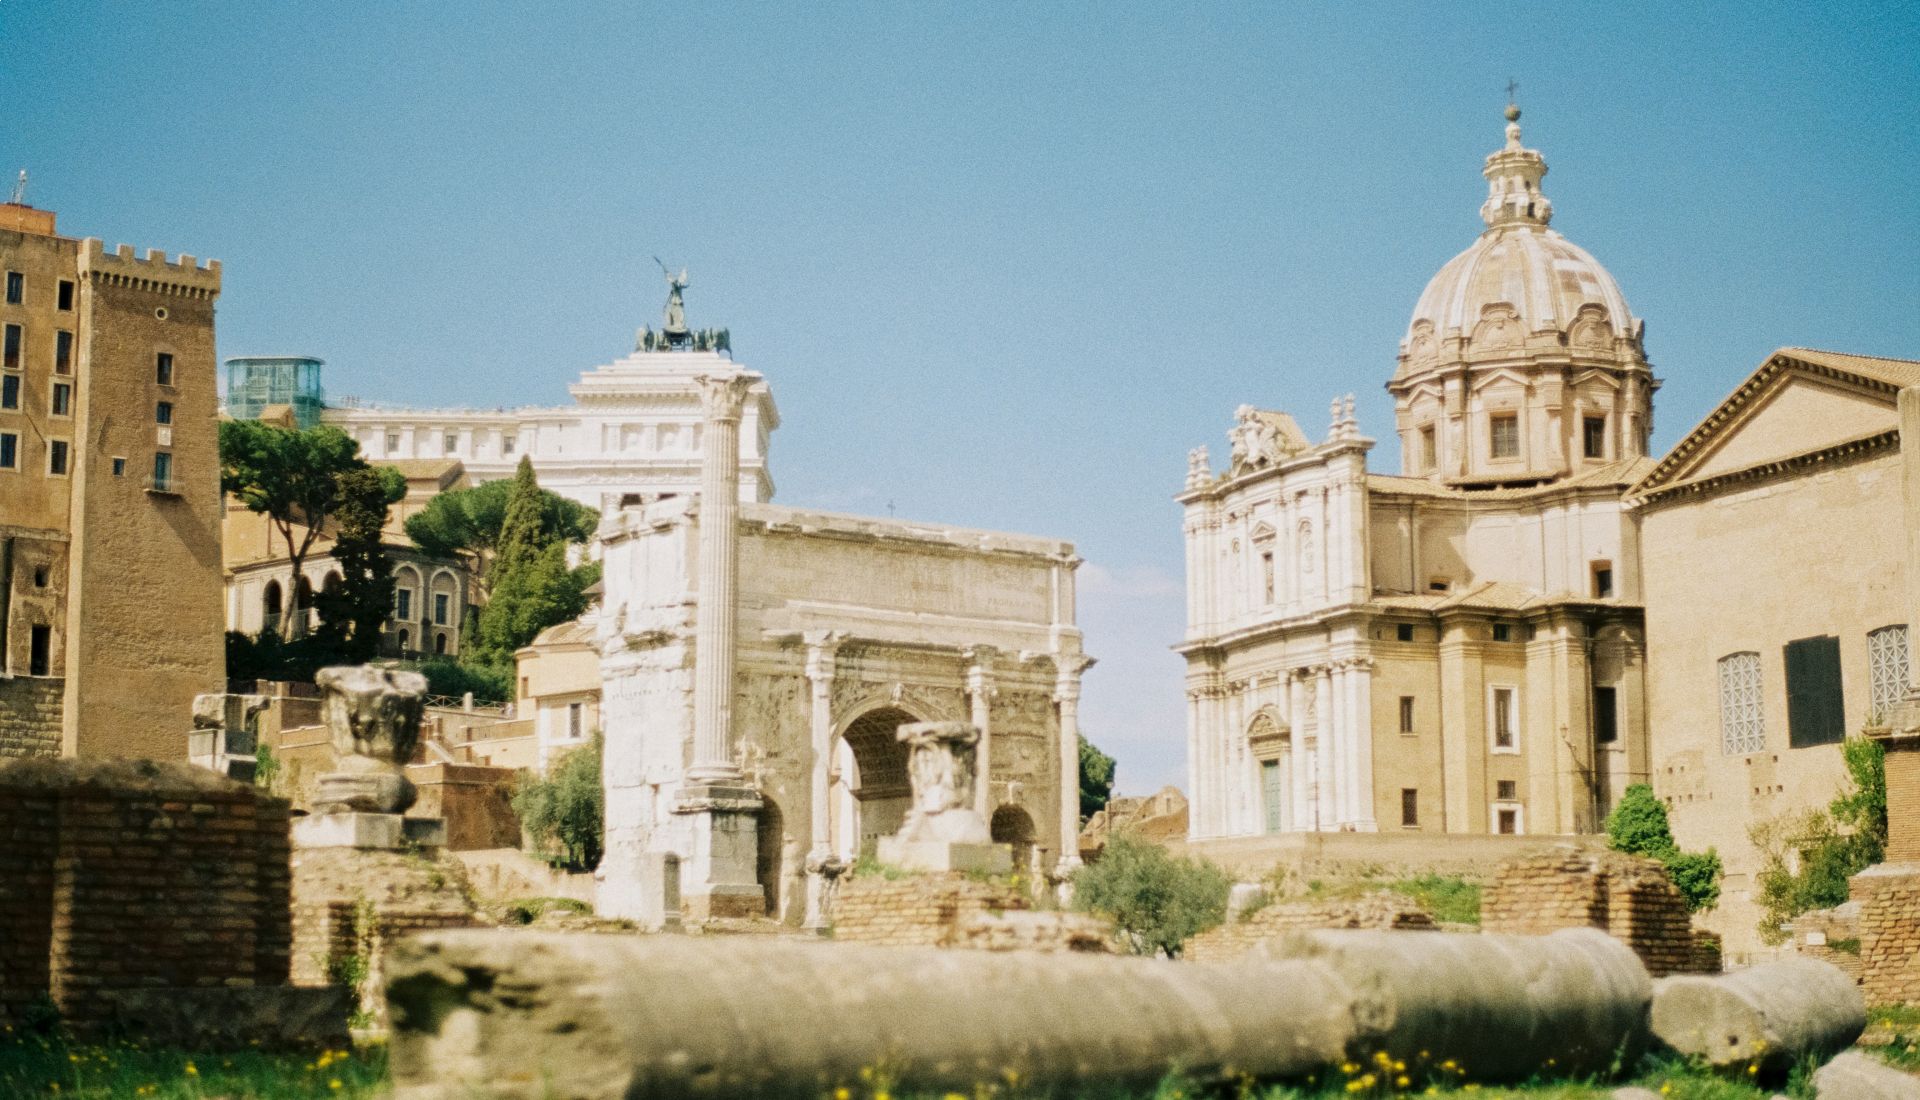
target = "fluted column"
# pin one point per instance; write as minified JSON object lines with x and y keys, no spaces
{"x":822,"y":646}
{"x":722,"y":397}
{"x":1194,"y":735}
{"x":1236,"y":757}
{"x":980,"y":704}
{"x":1066,"y":695}
{"x":1302,"y":807}
{"x":1363,"y":815}
{"x":1327,"y":788}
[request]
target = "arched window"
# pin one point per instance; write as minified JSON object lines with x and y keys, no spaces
{"x":1742,"y":725}
{"x":1263,"y":553}
{"x":270,"y":603}
{"x":403,"y":641}
{"x":440,"y":642}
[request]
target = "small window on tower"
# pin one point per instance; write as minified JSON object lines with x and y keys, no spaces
{"x":9,"y":391}
{"x":62,"y":399}
{"x":65,"y":295}
{"x":163,"y":412}
{"x":1505,"y":438}
{"x":1409,"y":807}
{"x":16,"y":287}
{"x":1406,"y":714}
{"x":119,"y":467}
{"x":1602,"y":580}
{"x":1509,"y":822}
{"x":393,"y":443}
{"x":163,"y":368}
{"x":10,"y":347}
{"x":1403,"y":632}
{"x":449,"y":443}
{"x":1593,"y":436}
{"x":1502,"y":632}
{"x":1508,"y":789}
{"x":62,"y":351}
{"x":1429,"y":449}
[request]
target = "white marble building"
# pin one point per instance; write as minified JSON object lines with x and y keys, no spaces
{"x":633,"y":428}
{"x":1458,"y":648}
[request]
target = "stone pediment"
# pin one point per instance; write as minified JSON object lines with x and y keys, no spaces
{"x":1797,"y":404}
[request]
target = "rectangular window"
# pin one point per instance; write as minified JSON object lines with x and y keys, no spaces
{"x":1509,"y":822}
{"x":1406,"y":714}
{"x":16,"y":288}
{"x":1409,"y":807}
{"x":1593,"y":436}
{"x":10,"y":347}
{"x":1815,"y":711}
{"x":9,"y":391}
{"x":1742,"y":729}
{"x":1887,"y":670}
{"x":449,"y":443}
{"x":9,"y":451}
{"x":163,"y":368}
{"x":1502,"y":632}
{"x":66,"y":295}
{"x":1266,"y":573}
{"x":40,"y":651}
{"x":162,"y":472}
{"x":1503,"y":722}
{"x":439,"y":609}
{"x":62,"y":351}
{"x":62,"y":399}
{"x":1507,"y":789}
{"x":57,"y":457}
{"x":393,"y":443}
{"x":1506,"y":436}
{"x":1606,"y":717}
{"x":163,"y":412}
{"x":119,"y":467}
{"x":507,"y":444}
{"x":576,"y":720}
{"x":403,"y":604}
{"x":1403,"y":632}
{"x":1439,"y":584}
{"x":1429,"y":449}
{"x":1602,"y":580}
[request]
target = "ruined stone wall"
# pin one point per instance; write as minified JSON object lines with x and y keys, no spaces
{"x":1385,"y":910}
{"x":1629,"y":898}
{"x":475,"y":801}
{"x":30,"y":709}
{"x":146,"y":875}
{"x":342,"y":896}
{"x":922,"y":910}
{"x":1889,"y":897}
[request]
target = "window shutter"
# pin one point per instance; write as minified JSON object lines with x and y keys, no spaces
{"x":1816,"y":709}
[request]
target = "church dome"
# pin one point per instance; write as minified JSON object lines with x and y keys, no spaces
{"x":1521,"y":284}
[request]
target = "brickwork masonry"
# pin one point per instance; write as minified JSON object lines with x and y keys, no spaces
{"x":120,"y":875}
{"x":1628,"y":897}
{"x":1889,"y":897}
{"x":1383,"y":909}
{"x":917,"y":911}
{"x":30,"y":709}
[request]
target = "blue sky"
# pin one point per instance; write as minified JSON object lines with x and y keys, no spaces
{"x":1002,"y":263}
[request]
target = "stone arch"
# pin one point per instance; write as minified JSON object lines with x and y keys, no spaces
{"x":440,"y":643}
{"x":407,"y":579}
{"x":1013,"y":826}
{"x":443,"y":583}
{"x":770,"y":844}
{"x":871,"y":791}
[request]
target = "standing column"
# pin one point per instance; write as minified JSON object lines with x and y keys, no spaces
{"x":1302,"y":761}
{"x":722,"y":396}
{"x":822,"y":646}
{"x":1066,"y":695}
{"x":1363,"y":815}
{"x":1326,"y":789}
{"x":1194,"y":734}
{"x":720,"y":874}
{"x":1340,"y":721}
{"x":980,"y":700}
{"x":1236,"y":757}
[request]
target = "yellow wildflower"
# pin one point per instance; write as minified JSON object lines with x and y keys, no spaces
{"x":334,"y":1084}
{"x":1401,"y":1081}
{"x":1353,"y":1086}
{"x":192,"y":1070}
{"x":842,"y":1093}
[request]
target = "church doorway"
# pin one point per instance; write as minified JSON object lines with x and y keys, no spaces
{"x":872,"y":792}
{"x":1013,"y":826}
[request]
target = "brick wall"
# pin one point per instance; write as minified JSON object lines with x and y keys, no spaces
{"x":335,"y":890}
{"x":146,"y":875}
{"x":475,"y":801}
{"x":1384,"y":909}
{"x":1903,"y":794}
{"x":919,"y":911}
{"x":30,"y":709}
{"x":1889,"y":897}
{"x":1630,"y":898}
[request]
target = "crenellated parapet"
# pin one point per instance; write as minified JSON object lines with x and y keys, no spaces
{"x":182,"y":277}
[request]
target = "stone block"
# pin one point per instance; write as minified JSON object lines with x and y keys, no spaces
{"x":1772,"y":1016}
{"x":1856,"y":1076}
{"x":943,"y":856}
{"x":364,"y":830}
{"x":227,"y":1019}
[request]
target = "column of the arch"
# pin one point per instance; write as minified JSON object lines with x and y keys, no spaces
{"x":821,"y":648}
{"x":980,"y":712}
{"x":1066,"y":695}
{"x":719,"y":877}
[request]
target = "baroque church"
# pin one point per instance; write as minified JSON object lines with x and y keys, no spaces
{"x":1459,"y":647}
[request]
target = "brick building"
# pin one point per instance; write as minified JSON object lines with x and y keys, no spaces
{"x":109,"y":494}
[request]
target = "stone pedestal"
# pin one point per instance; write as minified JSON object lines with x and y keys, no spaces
{"x":720,"y":876}
{"x":386,"y":832}
{"x":939,"y":855}
{"x":943,"y":831}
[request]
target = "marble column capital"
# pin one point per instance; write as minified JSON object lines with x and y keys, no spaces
{"x":724,"y":396}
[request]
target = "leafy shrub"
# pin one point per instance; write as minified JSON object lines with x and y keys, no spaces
{"x":564,"y":812}
{"x":1638,"y":826}
{"x":1829,"y":847}
{"x":445,"y":676}
{"x":1157,"y":900}
{"x":528,"y":910}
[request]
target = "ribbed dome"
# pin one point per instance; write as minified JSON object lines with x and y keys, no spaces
{"x":1544,"y":280}
{"x":1545,"y":277}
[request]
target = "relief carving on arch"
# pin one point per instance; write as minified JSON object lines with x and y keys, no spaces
{"x":1499,"y":328}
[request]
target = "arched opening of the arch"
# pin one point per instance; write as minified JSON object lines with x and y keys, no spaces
{"x":1013,"y":827}
{"x":872,"y":792}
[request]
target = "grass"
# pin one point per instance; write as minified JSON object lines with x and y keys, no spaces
{"x":43,"y":1066}
{"x":1902,"y":1026}
{"x":1450,"y":898}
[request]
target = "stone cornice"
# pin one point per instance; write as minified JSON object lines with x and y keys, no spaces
{"x":1840,"y":454}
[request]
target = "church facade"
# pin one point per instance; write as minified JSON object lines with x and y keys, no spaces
{"x":1459,"y":647}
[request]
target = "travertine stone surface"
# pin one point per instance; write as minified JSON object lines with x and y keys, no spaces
{"x":1772,"y":1016}
{"x":1505,"y":1007}
{"x":524,"y":1015}
{"x":1856,"y":1076}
